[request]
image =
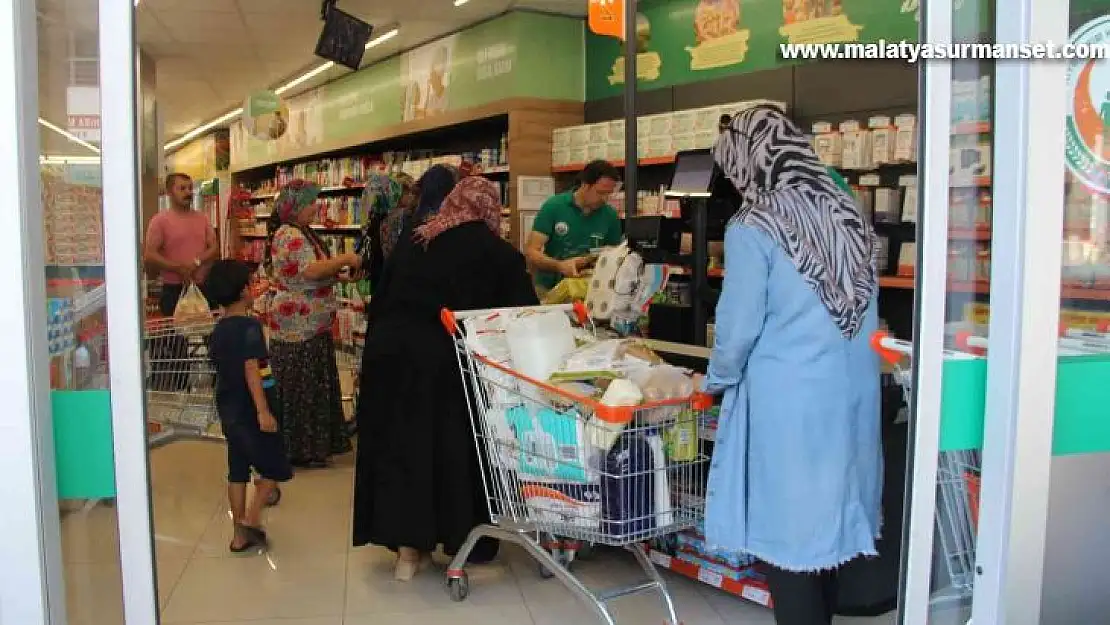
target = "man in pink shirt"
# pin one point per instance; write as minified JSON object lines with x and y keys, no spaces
{"x":180,"y":243}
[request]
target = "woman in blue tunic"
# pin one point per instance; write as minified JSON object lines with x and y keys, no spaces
{"x":796,"y":476}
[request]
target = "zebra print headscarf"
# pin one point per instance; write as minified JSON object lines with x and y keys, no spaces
{"x":786,"y":192}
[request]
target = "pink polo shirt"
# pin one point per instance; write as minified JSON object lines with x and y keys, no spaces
{"x":181,"y":237}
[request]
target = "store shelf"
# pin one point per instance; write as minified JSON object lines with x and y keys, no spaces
{"x":982,"y":287}
{"x":263,"y":197}
{"x":751,"y":589}
{"x":343,"y":229}
{"x":644,"y":162}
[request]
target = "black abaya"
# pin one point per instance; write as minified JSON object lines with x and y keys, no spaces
{"x":418,"y":483}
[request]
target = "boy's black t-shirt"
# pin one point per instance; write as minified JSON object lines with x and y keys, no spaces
{"x":233,"y":342}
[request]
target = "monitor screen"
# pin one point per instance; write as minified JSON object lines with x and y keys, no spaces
{"x":343,"y":39}
{"x":692,"y":172}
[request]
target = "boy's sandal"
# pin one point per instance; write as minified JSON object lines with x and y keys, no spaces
{"x":254,"y":538}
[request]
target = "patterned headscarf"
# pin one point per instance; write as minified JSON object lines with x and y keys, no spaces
{"x":291,"y":200}
{"x":474,"y":199}
{"x":394,"y":222}
{"x":786,"y":192}
{"x":382,"y":194}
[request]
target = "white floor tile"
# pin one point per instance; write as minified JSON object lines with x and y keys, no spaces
{"x":313,"y":577}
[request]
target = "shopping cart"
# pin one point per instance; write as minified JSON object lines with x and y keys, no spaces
{"x":957,"y":478}
{"x":557,"y":464}
{"x":181,"y":380}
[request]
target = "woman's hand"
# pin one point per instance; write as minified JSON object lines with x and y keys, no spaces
{"x":352,"y":260}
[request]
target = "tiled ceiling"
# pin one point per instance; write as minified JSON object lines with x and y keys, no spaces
{"x":209,"y":54}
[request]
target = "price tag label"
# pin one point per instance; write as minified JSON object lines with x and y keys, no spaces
{"x":709,"y":577}
{"x":661,"y":559}
{"x":758,"y":595}
{"x":870,"y":180}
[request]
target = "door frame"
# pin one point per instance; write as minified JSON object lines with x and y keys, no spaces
{"x":1027,"y":223}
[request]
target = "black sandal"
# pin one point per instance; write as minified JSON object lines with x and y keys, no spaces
{"x":254,"y":538}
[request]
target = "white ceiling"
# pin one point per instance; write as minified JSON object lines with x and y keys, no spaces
{"x":209,"y":54}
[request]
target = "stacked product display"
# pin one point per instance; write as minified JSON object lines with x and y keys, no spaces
{"x":72,"y":221}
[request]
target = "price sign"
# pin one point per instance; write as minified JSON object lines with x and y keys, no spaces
{"x":711,"y":578}
{"x":661,"y":559}
{"x":606,"y":18}
{"x":758,"y":595}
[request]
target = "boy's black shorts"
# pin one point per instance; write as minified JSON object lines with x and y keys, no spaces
{"x":250,"y":448}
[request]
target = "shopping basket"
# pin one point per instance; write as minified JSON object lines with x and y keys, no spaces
{"x":559,"y":464}
{"x":181,"y":381}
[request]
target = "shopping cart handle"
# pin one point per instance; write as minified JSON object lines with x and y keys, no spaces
{"x":447,"y":318}
{"x":889,"y":348}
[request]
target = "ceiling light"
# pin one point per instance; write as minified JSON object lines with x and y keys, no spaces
{"x":458,"y":3}
{"x":69,"y":135}
{"x":384,"y":37}
{"x":304,"y":77}
{"x":199,"y":130}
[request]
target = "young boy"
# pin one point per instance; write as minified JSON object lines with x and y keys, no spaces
{"x":246,"y":393}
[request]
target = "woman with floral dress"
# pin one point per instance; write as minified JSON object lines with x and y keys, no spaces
{"x":302,"y":313}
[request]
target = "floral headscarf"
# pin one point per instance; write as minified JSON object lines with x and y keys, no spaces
{"x":474,"y":199}
{"x":291,"y":200}
{"x":394,"y":222}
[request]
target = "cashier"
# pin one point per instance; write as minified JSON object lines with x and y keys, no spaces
{"x":570,"y":225}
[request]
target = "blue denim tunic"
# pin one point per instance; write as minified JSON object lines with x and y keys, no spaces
{"x":796,"y":475}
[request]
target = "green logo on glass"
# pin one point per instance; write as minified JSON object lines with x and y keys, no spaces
{"x":1087,"y":149}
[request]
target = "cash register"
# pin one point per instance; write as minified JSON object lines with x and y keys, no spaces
{"x":707,"y":200}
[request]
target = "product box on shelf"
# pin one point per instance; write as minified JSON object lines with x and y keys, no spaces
{"x":909,"y":198}
{"x":599,"y":133}
{"x":905,"y":138}
{"x":579,"y":155}
{"x":616,"y":130}
{"x":705,"y":139}
{"x":597,"y":151}
{"x":684,"y":122}
{"x":579,"y":136}
{"x":615,"y":151}
{"x":660,"y":125}
{"x":706,"y":119}
{"x":856,"y":146}
{"x":659,"y":146}
{"x":970,"y":164}
{"x":683,"y":142}
{"x":560,"y":157}
{"x":883,"y":137}
{"x":827,"y":143}
{"x":560,"y":138}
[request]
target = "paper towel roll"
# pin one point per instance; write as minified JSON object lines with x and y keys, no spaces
{"x":662,"y":487}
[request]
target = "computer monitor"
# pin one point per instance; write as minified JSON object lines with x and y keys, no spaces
{"x":693,"y":171}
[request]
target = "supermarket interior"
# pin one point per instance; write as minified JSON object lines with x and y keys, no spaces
{"x":242,"y":97}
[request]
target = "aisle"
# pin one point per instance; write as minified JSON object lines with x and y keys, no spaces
{"x":314,"y":578}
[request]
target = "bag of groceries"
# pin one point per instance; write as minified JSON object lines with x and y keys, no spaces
{"x":192,"y":313}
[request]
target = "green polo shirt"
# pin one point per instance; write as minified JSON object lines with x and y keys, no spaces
{"x":571,"y":233}
{"x":840,"y":181}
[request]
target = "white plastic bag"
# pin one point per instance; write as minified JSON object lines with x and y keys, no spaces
{"x":192,"y":311}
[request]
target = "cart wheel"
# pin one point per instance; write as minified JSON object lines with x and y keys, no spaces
{"x":562,"y":557}
{"x":458,"y":587}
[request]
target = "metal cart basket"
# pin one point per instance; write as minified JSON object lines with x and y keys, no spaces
{"x":558,"y":463}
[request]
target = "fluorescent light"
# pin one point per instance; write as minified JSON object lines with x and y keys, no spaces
{"x":384,"y":37}
{"x":304,"y":77}
{"x":199,"y":130}
{"x":56,"y":159}
{"x":69,"y":135}
{"x":458,"y":3}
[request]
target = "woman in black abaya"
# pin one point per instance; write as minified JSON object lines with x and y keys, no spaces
{"x":418,"y":483}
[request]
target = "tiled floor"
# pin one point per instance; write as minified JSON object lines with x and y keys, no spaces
{"x":312,"y":577}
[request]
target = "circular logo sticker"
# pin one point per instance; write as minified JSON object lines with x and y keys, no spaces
{"x":562,"y":228}
{"x":1087,"y":148}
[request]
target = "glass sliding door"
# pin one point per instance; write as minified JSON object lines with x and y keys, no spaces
{"x":1076,"y":546}
{"x":80,"y":295}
